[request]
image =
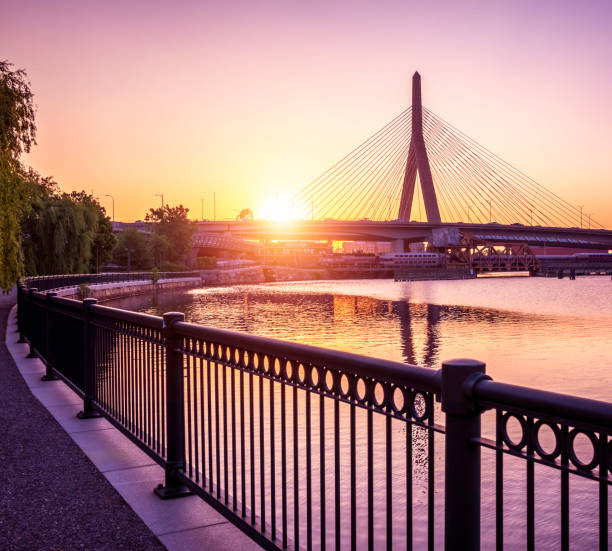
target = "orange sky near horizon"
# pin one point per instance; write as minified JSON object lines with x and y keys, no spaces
{"x":251,"y":101}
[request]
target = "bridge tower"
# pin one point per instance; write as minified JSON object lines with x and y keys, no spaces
{"x":418,"y":161}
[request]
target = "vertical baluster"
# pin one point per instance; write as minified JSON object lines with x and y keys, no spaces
{"x":603,"y":490}
{"x":499,"y":481}
{"x":296,"y":474}
{"x":308,"y":474}
{"x":225,"y":435}
{"x":252,"y":444}
{"x":337,"y":471}
{"x":322,"y":464}
{"x":202,"y":419}
{"x":242,"y":445}
{"x":187,"y":381}
{"x":272,"y":461}
{"x":217,"y":427}
{"x":284,"y":463}
{"x":530,"y":488}
{"x":262,"y":469}
{"x":408,"y":473}
{"x":353,"y":479}
{"x":209,"y":408}
{"x":370,"y":481}
{"x":233,"y":404}
{"x":389,"y":474}
{"x":430,"y":473}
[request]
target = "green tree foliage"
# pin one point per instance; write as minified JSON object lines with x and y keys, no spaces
{"x":17,"y":135}
{"x":17,"y":120}
{"x":62,"y":230}
{"x":174,"y":232}
{"x":139,"y":248}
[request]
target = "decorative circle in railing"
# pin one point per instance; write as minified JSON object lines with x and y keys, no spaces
{"x":277,"y":367}
{"x":539,"y":447}
{"x":398,"y":401}
{"x":418,"y":406}
{"x":288,"y":370}
{"x":573,"y":455}
{"x":330,"y":381}
{"x":361,"y":390}
{"x":344,"y":385}
{"x":513,"y":444}
{"x":314,"y":376}
{"x":301,"y":374}
{"x":378,"y":395}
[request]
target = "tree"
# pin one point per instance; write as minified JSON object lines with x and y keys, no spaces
{"x":17,"y":135}
{"x":244,"y":214}
{"x":137,"y":245}
{"x":172,"y":224}
{"x":17,"y":123}
{"x":61,"y":230}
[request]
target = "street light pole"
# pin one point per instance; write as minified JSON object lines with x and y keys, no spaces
{"x":214,"y":206}
{"x":581,"y":207}
{"x":202,"y":201}
{"x":162,"y":199}
{"x":107,"y":195}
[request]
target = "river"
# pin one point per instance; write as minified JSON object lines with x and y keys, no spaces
{"x":544,"y":333}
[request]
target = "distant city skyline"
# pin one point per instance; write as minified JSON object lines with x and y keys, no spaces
{"x":253,"y":101}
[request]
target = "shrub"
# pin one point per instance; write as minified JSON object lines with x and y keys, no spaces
{"x":83,"y":291}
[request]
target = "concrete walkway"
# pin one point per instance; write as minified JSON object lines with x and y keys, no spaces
{"x":81,"y":484}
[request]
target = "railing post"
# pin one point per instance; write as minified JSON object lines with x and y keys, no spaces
{"x":175,"y":412}
{"x":462,"y":454}
{"x":31,"y":291}
{"x":89,"y":367}
{"x":46,"y":338}
{"x":20,"y":312}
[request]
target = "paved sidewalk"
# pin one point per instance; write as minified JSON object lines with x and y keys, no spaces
{"x":51,"y":495}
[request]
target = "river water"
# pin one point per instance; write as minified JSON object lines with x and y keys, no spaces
{"x":544,"y":333}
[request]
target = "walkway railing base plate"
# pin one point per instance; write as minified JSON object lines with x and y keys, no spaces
{"x":172,"y":492}
{"x":88,"y":414}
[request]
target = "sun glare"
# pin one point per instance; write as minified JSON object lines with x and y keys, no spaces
{"x":275,"y":209}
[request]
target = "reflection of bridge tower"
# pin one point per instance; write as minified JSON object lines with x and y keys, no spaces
{"x":405,"y":312}
{"x":418,"y":162}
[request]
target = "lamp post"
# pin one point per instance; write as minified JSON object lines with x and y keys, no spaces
{"x":490,"y":208}
{"x":107,"y":195}
{"x":202,"y":201}
{"x":581,"y":207}
{"x":589,"y":217}
{"x":214,"y":205}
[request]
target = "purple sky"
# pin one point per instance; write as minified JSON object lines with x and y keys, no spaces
{"x":254,"y":99}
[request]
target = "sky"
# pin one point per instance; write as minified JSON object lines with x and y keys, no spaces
{"x":249,"y":101}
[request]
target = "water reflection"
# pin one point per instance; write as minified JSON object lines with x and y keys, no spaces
{"x":529,"y":333}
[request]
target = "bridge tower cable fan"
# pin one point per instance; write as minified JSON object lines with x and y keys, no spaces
{"x":418,"y":162}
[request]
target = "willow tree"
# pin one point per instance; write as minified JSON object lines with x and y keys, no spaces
{"x":61,"y":232}
{"x":17,"y":135}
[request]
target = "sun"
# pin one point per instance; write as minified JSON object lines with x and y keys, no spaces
{"x":275,"y":209}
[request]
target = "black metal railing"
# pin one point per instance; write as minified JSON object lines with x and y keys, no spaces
{"x":44,"y":283}
{"x":303,"y":447}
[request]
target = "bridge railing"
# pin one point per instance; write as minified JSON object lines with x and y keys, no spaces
{"x":44,"y":283}
{"x":305,"y":447}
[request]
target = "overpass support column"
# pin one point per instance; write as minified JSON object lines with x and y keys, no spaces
{"x":400,"y":246}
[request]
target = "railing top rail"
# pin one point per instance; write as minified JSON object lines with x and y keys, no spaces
{"x":563,"y":407}
{"x":146,"y":320}
{"x":355,"y":364}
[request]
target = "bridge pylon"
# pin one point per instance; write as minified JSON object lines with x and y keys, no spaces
{"x":418,"y":162}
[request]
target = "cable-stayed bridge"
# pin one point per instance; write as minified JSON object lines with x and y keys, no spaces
{"x":420,"y":179}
